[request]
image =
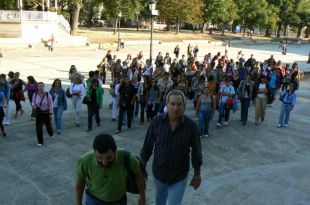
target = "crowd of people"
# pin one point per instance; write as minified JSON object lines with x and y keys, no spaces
{"x":155,"y":93}
{"x":139,"y":89}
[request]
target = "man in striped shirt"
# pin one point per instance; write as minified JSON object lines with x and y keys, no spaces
{"x":173,"y":136}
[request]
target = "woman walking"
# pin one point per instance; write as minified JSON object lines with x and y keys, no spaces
{"x":261,"y":100}
{"x":205,"y":109}
{"x":59,"y":103}
{"x":18,"y":93}
{"x":43,"y":103}
{"x":288,"y":99}
{"x":31,"y":88}
{"x":77,"y":92}
{"x":94,"y":95}
{"x":245,"y":93}
{"x":226,"y":94}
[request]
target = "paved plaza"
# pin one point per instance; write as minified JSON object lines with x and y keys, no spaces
{"x":242,"y":165}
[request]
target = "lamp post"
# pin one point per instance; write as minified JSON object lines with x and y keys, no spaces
{"x":119,"y":30}
{"x":231,"y":30}
{"x":154,"y":12}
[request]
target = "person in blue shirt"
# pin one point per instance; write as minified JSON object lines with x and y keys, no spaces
{"x":288,"y":99}
{"x":6,"y":89}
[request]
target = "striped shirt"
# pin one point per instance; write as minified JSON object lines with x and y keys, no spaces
{"x":172,"y":148}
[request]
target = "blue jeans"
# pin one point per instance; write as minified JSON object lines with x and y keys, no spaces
{"x":58,"y":116}
{"x":169,"y":194}
{"x":273,"y":94}
{"x":245,"y":103}
{"x":285,"y":113}
{"x":204,"y":118}
{"x":91,"y":200}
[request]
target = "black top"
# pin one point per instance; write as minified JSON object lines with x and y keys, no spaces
{"x":127,"y":93}
{"x":172,"y":148}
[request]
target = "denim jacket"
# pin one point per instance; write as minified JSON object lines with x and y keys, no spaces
{"x":62,"y":100}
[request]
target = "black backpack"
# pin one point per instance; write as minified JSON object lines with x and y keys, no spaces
{"x":132,"y":186}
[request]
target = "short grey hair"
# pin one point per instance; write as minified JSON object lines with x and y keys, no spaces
{"x":176,"y":93}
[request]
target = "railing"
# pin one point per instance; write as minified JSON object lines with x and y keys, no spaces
{"x":27,"y":16}
{"x":63,"y":22}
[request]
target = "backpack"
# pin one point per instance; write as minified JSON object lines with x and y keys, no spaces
{"x":132,"y":186}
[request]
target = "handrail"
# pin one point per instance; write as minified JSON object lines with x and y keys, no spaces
{"x":21,"y":15}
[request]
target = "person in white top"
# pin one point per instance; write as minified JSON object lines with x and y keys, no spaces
{"x":77,"y":90}
{"x":148,"y":69}
{"x":261,"y":100}
{"x":226,"y":93}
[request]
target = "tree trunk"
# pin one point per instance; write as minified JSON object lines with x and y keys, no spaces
{"x":115,"y":26}
{"x":137,"y":22}
{"x":299,"y":31}
{"x":76,"y":14}
{"x":268,"y":33}
{"x":178,"y":25}
{"x":203,"y":28}
{"x":244,"y":28}
{"x":307,"y":32}
{"x":89,"y":17}
{"x":279,"y":29}
{"x":285,"y":31}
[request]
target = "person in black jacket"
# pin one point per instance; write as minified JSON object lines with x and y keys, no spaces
{"x":127,"y":93}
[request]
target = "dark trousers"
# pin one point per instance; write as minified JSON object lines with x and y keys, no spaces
{"x":93,"y":109}
{"x":142,"y":110}
{"x":1,"y":119}
{"x":152,"y":110}
{"x":18,"y":105}
{"x":92,"y":200}
{"x":245,"y":103}
{"x":224,"y":111}
{"x":122,"y":109}
{"x":43,"y":119}
{"x":103,"y":76}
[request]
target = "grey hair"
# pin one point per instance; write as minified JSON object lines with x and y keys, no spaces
{"x":176,"y":93}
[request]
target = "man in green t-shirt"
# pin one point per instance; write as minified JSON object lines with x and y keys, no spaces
{"x":103,"y":172}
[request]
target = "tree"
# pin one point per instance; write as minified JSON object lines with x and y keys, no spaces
{"x":252,"y":13}
{"x":219,"y":12}
{"x":303,"y":14}
{"x":177,"y":11}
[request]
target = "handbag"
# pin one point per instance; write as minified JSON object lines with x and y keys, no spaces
{"x":86,"y":100}
{"x":230,"y":101}
{"x":68,"y":94}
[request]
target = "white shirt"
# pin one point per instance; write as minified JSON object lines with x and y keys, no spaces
{"x":77,"y":88}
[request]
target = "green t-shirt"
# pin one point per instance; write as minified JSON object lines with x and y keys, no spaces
{"x":107,"y":184}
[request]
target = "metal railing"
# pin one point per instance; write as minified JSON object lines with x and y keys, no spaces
{"x":63,"y":22}
{"x":27,"y":15}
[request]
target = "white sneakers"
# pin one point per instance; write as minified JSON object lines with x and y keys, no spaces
{"x":218,"y":125}
{"x":286,"y":125}
{"x":226,"y":123}
{"x":39,"y":145}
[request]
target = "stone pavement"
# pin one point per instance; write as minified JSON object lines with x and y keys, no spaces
{"x":244,"y":165}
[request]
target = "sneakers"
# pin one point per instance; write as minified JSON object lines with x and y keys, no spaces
{"x":58,"y":132}
{"x":118,"y":131}
{"x":226,"y":123}
{"x":77,"y":124}
{"x":205,"y":136}
{"x":39,"y":145}
{"x":51,"y":137}
{"x":279,"y":125}
{"x":286,"y":125}
{"x":4,"y":134}
{"x":218,"y":125}
{"x":88,"y":130}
